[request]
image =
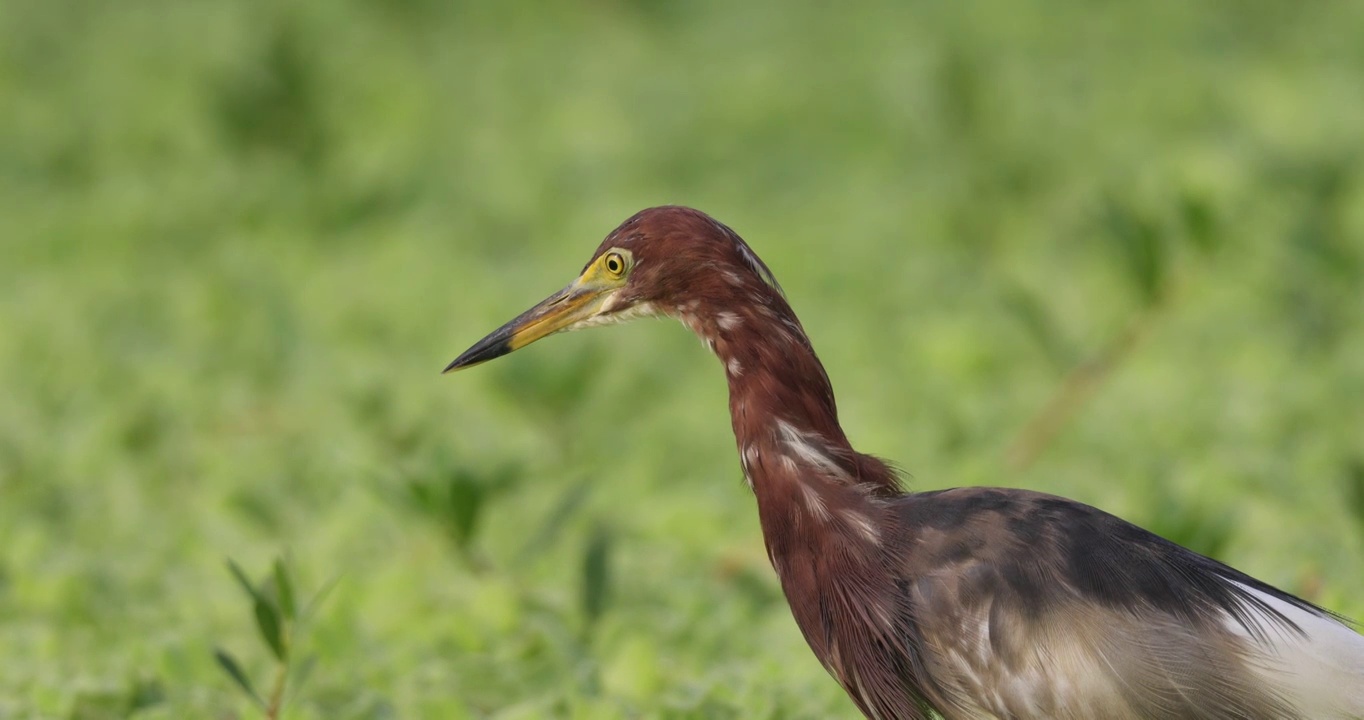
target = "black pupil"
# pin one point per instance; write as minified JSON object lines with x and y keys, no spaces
{"x":613,"y":264}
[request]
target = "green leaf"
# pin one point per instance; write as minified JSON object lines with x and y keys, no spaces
{"x":467,"y":496}
{"x":1354,"y":488}
{"x":1141,"y":249}
{"x":1200,"y":223}
{"x":267,"y":613}
{"x":271,"y":629}
{"x":243,"y":580}
{"x":234,"y":670}
{"x":284,"y":589}
{"x":596,"y":572}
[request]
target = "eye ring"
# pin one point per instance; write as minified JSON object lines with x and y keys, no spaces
{"x":614,"y":264}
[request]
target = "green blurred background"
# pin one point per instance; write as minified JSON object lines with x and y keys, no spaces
{"x":238,"y":241}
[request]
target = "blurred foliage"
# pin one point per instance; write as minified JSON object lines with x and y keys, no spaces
{"x":239,"y":240}
{"x":281,"y":623}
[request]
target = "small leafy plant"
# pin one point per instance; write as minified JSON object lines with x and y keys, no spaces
{"x":279,"y":622}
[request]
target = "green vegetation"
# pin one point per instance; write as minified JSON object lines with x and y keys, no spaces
{"x":239,"y":240}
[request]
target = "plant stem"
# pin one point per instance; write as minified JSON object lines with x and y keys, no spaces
{"x":1077,"y":387}
{"x":276,"y":702}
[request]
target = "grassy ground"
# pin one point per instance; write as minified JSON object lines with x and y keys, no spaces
{"x":238,"y":240}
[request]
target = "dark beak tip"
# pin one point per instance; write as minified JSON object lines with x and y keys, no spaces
{"x":459,"y":363}
{"x":500,"y":341}
{"x":489,"y":348}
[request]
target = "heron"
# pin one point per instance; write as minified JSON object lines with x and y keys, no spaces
{"x":973,"y":602}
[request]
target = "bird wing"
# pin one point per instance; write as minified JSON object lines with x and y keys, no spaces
{"x":1033,"y":606}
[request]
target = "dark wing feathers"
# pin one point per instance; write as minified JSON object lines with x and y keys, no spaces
{"x":1042,"y":605}
{"x":1046,"y":547}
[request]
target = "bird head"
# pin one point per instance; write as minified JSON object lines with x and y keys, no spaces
{"x":662,"y":261}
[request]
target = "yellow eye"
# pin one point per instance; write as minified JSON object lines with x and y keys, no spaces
{"x":615,"y":264}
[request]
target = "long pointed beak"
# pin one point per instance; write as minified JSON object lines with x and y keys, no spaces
{"x":557,"y":312}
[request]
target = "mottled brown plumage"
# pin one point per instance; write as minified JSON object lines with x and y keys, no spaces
{"x":974,"y":602}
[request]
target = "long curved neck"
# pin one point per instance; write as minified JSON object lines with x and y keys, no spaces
{"x":824,"y":508}
{"x":781,"y":401}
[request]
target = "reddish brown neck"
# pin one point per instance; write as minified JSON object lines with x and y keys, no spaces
{"x":781,"y":402}
{"x":823,"y":507}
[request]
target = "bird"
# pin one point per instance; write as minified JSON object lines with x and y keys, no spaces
{"x":972,"y":602}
